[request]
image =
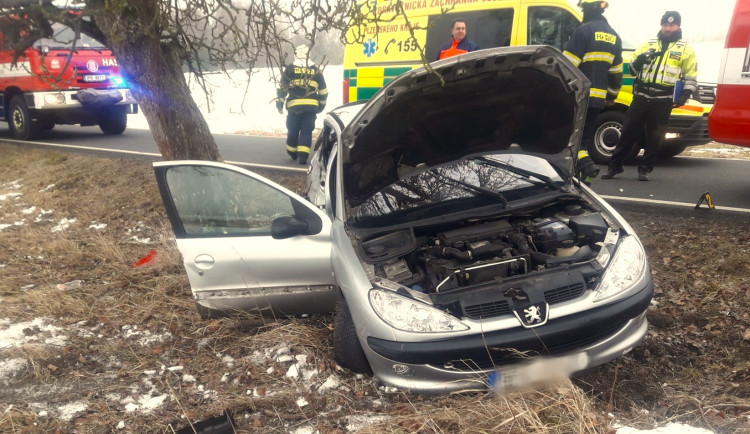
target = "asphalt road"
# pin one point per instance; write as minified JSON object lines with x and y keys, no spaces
{"x":679,"y":181}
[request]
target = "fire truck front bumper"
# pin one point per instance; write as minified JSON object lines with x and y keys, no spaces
{"x":82,"y":98}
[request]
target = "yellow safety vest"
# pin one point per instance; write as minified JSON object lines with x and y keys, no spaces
{"x":677,"y":62}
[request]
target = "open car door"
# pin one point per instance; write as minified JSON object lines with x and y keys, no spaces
{"x":247,"y":243}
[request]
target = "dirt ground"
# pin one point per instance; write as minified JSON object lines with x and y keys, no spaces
{"x":98,"y":332}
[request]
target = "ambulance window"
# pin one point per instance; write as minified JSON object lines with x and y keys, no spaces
{"x":487,"y":28}
{"x":550,"y":26}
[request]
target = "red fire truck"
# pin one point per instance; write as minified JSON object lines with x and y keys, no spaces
{"x":729,"y":121}
{"x":62,"y":80}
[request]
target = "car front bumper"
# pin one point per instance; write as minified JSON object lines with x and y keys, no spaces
{"x":572,"y":344}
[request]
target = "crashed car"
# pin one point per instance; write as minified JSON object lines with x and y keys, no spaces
{"x":442,"y":222}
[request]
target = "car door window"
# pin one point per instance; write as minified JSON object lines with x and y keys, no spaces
{"x":213,"y":201}
{"x":488,"y":28}
{"x":550,"y":26}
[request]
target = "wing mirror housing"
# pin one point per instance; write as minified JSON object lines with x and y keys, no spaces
{"x":287,"y":227}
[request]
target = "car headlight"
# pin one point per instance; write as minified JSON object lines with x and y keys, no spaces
{"x":625,"y":270}
{"x":410,"y":315}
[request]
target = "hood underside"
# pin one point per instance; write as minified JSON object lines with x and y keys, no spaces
{"x":530,"y":97}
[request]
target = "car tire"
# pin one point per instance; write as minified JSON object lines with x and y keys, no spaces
{"x":19,"y":119}
{"x":607,"y":135}
{"x":669,"y":150}
{"x":347,"y":350}
{"x":113,"y":121}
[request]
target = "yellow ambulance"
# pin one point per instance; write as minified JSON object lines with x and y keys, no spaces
{"x":382,"y":48}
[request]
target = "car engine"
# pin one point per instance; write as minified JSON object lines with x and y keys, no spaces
{"x":445,"y":258}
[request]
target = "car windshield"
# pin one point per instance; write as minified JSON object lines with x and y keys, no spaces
{"x":475,"y":181}
{"x":63,"y":37}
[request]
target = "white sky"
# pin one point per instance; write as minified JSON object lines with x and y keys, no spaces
{"x":701,"y":19}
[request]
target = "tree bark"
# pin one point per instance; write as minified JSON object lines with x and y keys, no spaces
{"x":153,"y":68}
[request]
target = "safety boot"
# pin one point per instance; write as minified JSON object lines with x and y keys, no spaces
{"x":612,"y":170}
{"x":585,"y":168}
{"x":644,"y":173}
{"x":291,"y":151}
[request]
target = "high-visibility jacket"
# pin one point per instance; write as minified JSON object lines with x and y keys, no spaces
{"x":305,"y":87}
{"x":671,"y":62}
{"x":596,"y":49}
{"x":454,"y":48}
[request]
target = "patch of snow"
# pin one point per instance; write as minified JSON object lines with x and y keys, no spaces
{"x":331,"y":383}
{"x":30,"y":331}
{"x":97,"y":226}
{"x":672,"y":428}
{"x":357,"y":422}
{"x":11,"y":367}
{"x":10,"y":196}
{"x":63,"y":224}
{"x":67,"y":411}
{"x":293,"y":372}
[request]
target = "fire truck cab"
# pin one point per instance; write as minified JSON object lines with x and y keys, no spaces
{"x":729,"y":121}
{"x":61,"y":80}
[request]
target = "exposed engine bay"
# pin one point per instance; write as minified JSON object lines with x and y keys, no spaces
{"x":445,"y":258}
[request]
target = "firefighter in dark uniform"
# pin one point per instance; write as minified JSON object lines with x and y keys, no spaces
{"x":304,"y":88}
{"x":596,"y":49}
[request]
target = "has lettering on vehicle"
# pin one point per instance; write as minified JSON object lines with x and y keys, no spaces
{"x":109,"y":61}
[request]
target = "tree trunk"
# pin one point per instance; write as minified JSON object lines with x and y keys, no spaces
{"x":153,"y":70}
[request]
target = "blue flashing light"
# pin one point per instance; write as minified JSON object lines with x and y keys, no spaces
{"x":119,"y":81}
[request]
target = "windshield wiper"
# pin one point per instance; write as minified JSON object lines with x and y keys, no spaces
{"x":471,"y":187}
{"x":521,"y":172}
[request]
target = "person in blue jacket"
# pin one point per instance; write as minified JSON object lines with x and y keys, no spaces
{"x":458,"y":43}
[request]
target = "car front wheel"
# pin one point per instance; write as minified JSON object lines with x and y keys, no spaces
{"x":347,"y":350}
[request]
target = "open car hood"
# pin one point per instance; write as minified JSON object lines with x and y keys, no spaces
{"x":529,"y":99}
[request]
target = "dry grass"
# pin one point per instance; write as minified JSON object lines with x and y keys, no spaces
{"x":125,"y":326}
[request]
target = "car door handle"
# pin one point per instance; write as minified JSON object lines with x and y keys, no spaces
{"x":204,"y":261}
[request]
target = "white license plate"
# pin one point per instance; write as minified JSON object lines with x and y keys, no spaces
{"x":94,"y":78}
{"x":536,"y":371}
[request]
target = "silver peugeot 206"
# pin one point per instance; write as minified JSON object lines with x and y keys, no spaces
{"x":443,"y":224}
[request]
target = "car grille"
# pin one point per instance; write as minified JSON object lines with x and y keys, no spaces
{"x":706,"y":93}
{"x":488,"y":310}
{"x":559,"y":295}
{"x":499,"y":308}
{"x":502,"y":356}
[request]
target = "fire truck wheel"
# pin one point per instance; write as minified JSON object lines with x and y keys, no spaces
{"x":46,"y":123}
{"x":113,"y":121}
{"x":21,"y":125}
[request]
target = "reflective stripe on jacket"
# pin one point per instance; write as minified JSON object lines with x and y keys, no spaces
{"x":596,"y":49}
{"x":658,"y":77}
{"x":304,"y":88}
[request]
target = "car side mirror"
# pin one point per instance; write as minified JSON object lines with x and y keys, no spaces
{"x":287,"y":227}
